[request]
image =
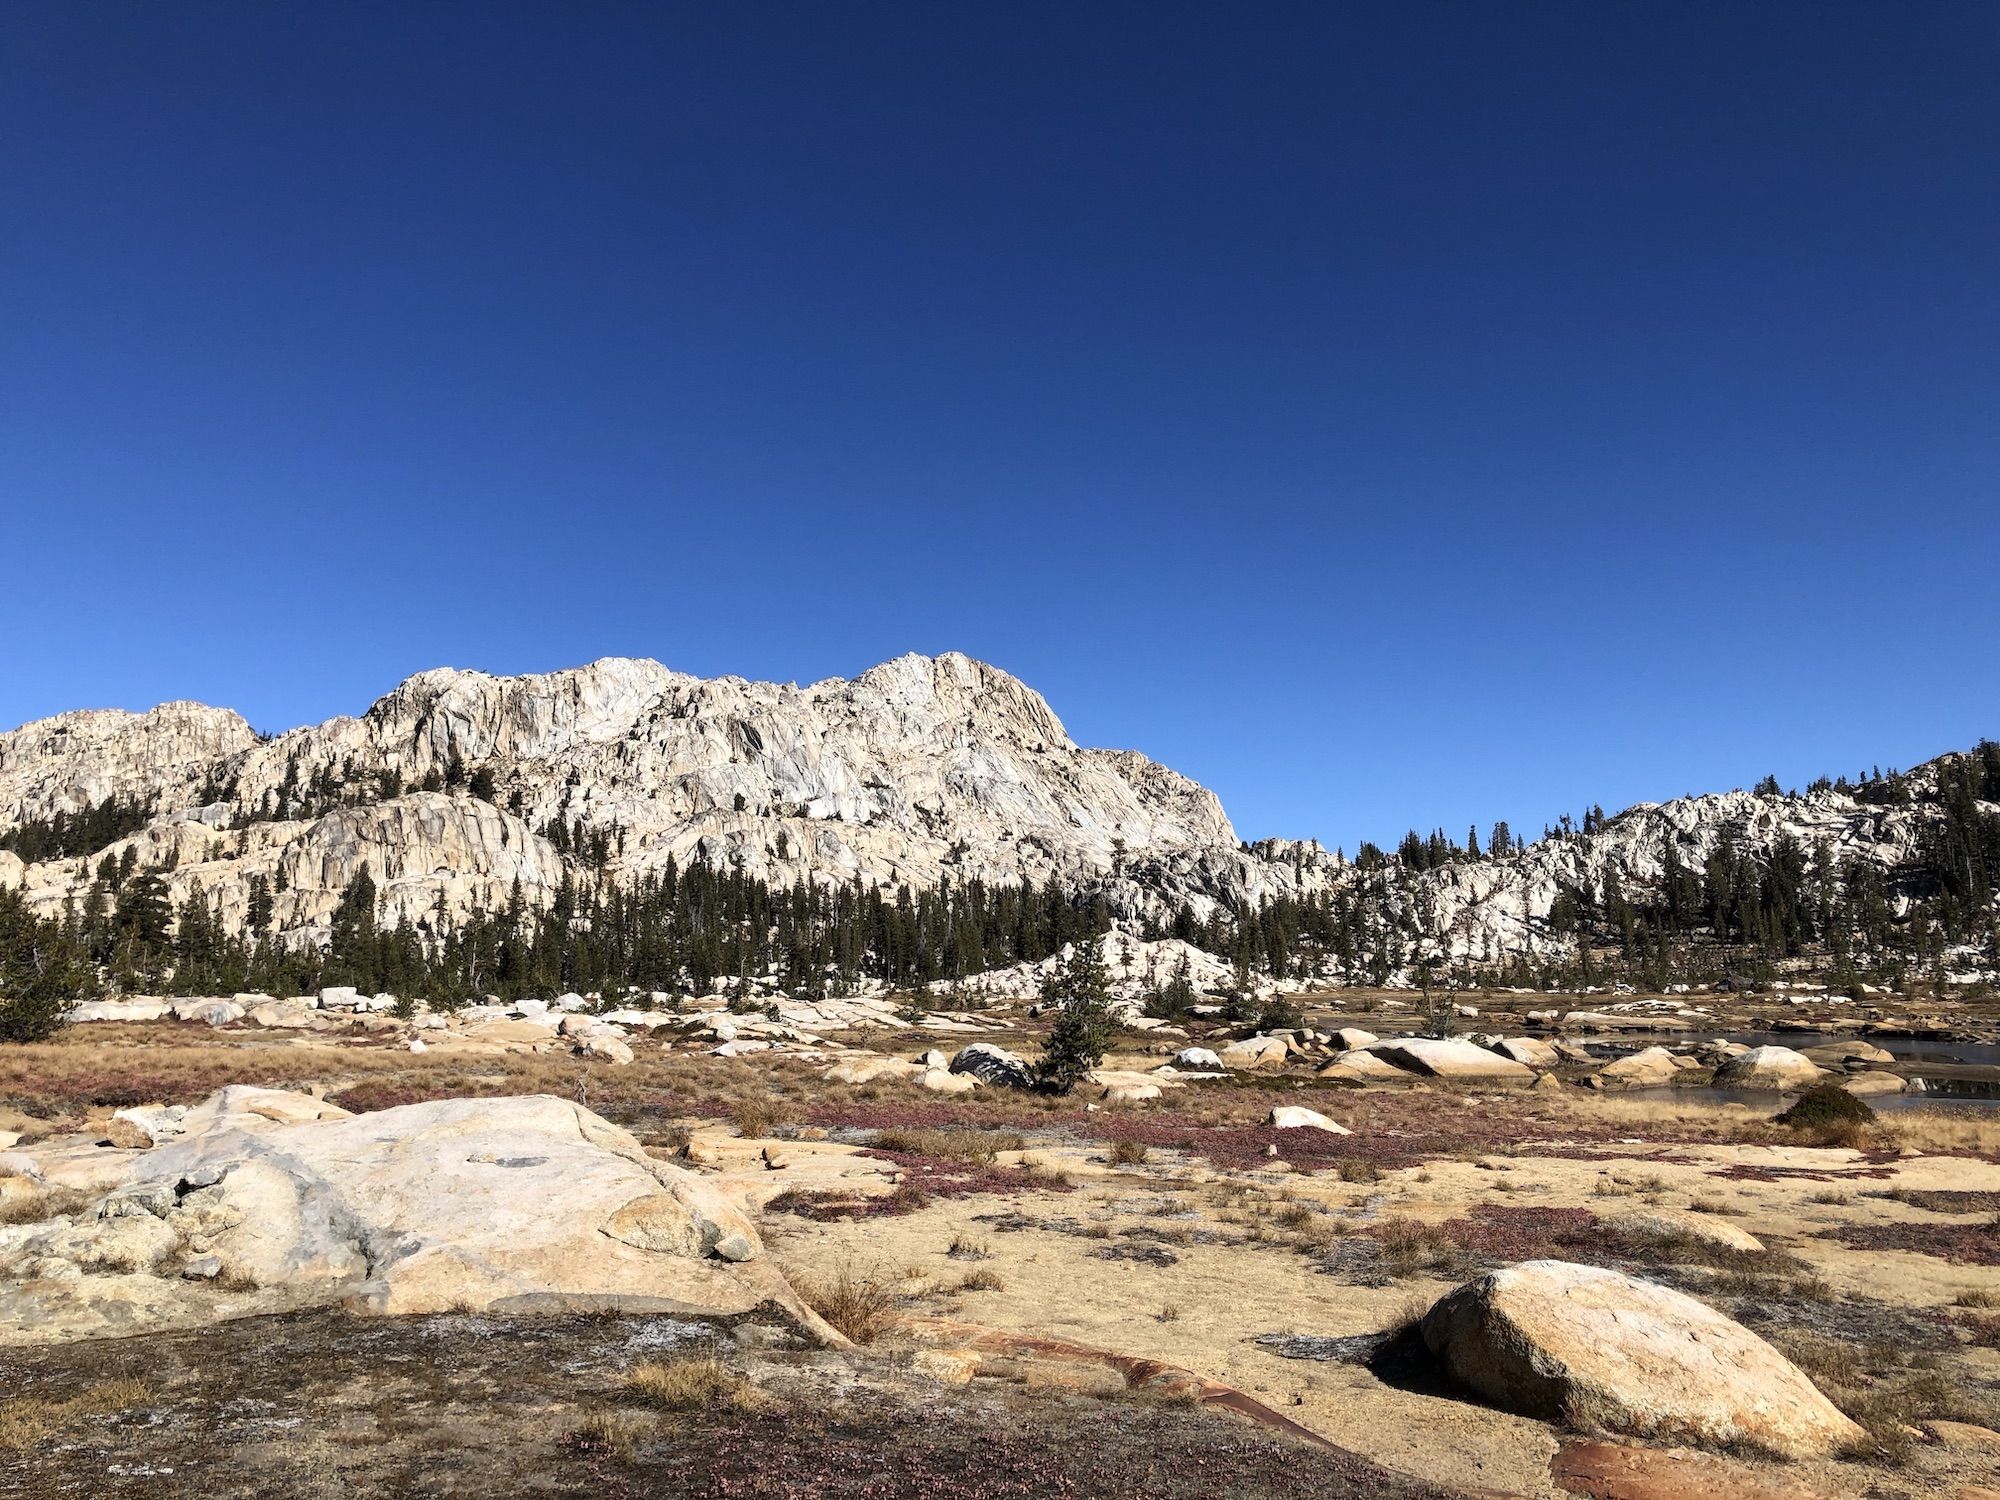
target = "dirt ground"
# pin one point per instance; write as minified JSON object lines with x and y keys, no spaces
{"x":1182,"y":1230}
{"x":319,"y":1406}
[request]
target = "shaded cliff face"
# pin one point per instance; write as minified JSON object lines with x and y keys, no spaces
{"x":921,"y":769}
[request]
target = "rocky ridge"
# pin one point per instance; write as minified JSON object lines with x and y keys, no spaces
{"x":920,"y":770}
{"x":917,"y":772}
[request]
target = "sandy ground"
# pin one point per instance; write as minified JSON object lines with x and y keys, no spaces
{"x":1207,"y":1245}
{"x":1207,"y":1310}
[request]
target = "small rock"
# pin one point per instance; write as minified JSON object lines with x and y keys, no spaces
{"x":1296,"y":1117}
{"x":1964,"y":1436}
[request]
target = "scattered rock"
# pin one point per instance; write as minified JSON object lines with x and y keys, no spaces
{"x":144,"y":1125}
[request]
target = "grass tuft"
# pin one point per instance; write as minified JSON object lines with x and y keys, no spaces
{"x":861,"y":1307}
{"x":27,"y":1420}
{"x":697,"y":1383}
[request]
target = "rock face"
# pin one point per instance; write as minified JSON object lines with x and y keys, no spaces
{"x":1607,"y":1353}
{"x":920,"y":768}
{"x":521,"y":1204}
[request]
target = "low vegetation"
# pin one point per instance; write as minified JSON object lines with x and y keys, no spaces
{"x":691,"y":1384}
{"x":1827,"y":1115}
{"x":861,"y":1307}
{"x":25,"y":1421}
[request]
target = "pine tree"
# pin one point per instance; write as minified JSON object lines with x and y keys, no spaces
{"x":1081,"y":988}
{"x":41,"y":972}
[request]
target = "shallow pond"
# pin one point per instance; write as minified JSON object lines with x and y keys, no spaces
{"x":1948,"y":1087}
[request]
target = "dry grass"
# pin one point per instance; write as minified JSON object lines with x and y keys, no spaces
{"x":1124,"y":1153}
{"x":1826,"y":1361}
{"x":27,"y":1420}
{"x":1038,"y":1174}
{"x":43,"y":1204}
{"x":1977,"y":1297}
{"x":1940,"y":1132}
{"x":755,"y":1119}
{"x":949,"y":1144}
{"x":982,"y":1280}
{"x":1802,"y":1286}
{"x":1889,"y":1409}
{"x":1407,"y":1316}
{"x":608,"y":1433}
{"x":862,"y":1307}
{"x":1410,"y":1246}
{"x":962,"y":1248}
{"x":696,"y":1383}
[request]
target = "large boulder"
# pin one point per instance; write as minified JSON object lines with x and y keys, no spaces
{"x":1852,"y":1053}
{"x":294,"y":1014}
{"x":1607,"y":1353}
{"x":1678,"y":1224}
{"x":508,"y":1205}
{"x":1528,"y":1050}
{"x":511,"y":1033}
{"x":870,"y":1069}
{"x":1197,"y":1058}
{"x":1451,"y":1058}
{"x":1874,"y":1081}
{"x":118,"y":1010}
{"x":991,"y":1064}
{"x":604,"y":1048}
{"x":214,"y":1011}
{"x":1255,"y":1052}
{"x":1653,"y":1067}
{"x":1363,"y":1066}
{"x":1776,"y":1068}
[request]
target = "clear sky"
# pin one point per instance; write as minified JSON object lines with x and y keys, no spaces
{"x":1390,"y":415}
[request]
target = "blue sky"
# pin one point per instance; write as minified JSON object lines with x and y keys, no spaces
{"x":1389,"y":415}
